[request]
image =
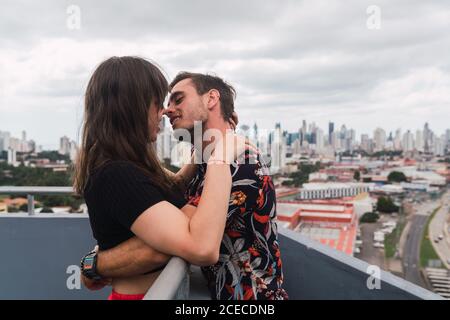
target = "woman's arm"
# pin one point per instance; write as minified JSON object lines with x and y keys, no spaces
{"x":167,"y":229}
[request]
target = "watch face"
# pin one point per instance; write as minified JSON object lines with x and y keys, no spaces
{"x":88,"y":262}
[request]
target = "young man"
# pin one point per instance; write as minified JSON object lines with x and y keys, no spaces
{"x":249,"y":265}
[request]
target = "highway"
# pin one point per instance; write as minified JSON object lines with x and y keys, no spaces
{"x":411,"y":264}
{"x":411,"y":252}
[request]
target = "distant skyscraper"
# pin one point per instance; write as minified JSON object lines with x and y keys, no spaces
{"x":408,"y":141}
{"x":319,"y":139}
{"x":277,"y":150}
{"x":330,"y":132}
{"x":365,"y":142}
{"x":5,"y":137}
{"x":447,"y":138}
{"x":379,"y":137}
{"x":419,"y":141}
{"x":12,"y":159}
{"x":426,"y":138}
{"x":398,"y":140}
{"x":64,"y":145}
{"x":438,"y":147}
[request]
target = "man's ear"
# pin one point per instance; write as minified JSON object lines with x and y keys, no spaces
{"x":213,"y":97}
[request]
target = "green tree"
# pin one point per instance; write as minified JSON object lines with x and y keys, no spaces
{"x":369,"y":217}
{"x":12,"y":209}
{"x":396,"y":176}
{"x":302,"y":175}
{"x":357,"y":176}
{"x":46,"y":210}
{"x":386,"y":205}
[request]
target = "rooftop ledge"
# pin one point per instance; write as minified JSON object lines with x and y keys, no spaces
{"x":311,"y":270}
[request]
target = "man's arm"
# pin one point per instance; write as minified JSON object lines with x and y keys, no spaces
{"x":183,"y":176}
{"x":131,"y":258}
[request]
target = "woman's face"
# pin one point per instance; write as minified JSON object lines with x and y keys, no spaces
{"x":154,"y":118}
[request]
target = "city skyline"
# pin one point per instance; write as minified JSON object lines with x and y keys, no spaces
{"x":312,"y":60}
{"x":306,"y":125}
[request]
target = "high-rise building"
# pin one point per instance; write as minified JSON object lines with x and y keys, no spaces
{"x":398,"y":140}
{"x":5,"y":137}
{"x":319,"y":139}
{"x":419,"y":141}
{"x":408,"y":141}
{"x":64,"y":145}
{"x":427,"y":137}
{"x":365,"y":142}
{"x":73,"y":150}
{"x":439,"y":146}
{"x":296,"y":147}
{"x":277,"y":150}
{"x":379,"y":137}
{"x":330,"y":131}
{"x":12,"y":158}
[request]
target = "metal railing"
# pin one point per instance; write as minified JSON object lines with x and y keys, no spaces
{"x":172,"y":283}
{"x":30,"y":192}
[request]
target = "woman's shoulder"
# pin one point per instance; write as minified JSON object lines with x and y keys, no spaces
{"x":116,"y":166}
{"x":117,"y":171}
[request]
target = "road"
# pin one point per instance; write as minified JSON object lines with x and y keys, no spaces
{"x":369,"y":253}
{"x":437,"y":227}
{"x":411,"y":263}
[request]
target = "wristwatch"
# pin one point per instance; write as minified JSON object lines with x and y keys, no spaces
{"x":88,"y":266}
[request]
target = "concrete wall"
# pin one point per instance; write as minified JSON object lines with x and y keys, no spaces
{"x":39,"y":258}
{"x":315,"y":271}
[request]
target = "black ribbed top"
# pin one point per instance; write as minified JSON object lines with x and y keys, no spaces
{"x":116,"y":194}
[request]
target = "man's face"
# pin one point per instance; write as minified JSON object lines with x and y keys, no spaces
{"x":186,"y":106}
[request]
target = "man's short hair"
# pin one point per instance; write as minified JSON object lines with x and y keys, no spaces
{"x":205,"y":82}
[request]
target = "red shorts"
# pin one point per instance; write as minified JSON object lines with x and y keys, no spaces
{"x":120,"y":296}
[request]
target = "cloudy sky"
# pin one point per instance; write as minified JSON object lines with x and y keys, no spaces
{"x":289,"y":60}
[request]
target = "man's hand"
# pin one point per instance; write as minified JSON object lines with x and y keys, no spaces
{"x":94,"y":285}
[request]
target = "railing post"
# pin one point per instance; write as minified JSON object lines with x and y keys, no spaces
{"x":30,"y":198}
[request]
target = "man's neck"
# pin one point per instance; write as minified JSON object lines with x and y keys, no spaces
{"x":211,"y":124}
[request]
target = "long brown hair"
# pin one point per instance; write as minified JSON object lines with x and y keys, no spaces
{"x":115,"y":126}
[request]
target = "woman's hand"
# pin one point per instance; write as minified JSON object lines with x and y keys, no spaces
{"x":230,"y":147}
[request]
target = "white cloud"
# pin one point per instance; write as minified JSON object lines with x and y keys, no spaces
{"x":289,"y":60}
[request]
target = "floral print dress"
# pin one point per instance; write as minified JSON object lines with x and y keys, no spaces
{"x":249,"y":265}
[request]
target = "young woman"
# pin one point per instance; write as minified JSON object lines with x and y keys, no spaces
{"x":126,"y":190}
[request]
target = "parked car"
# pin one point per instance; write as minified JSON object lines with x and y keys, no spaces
{"x":378,"y":245}
{"x":441,"y":236}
